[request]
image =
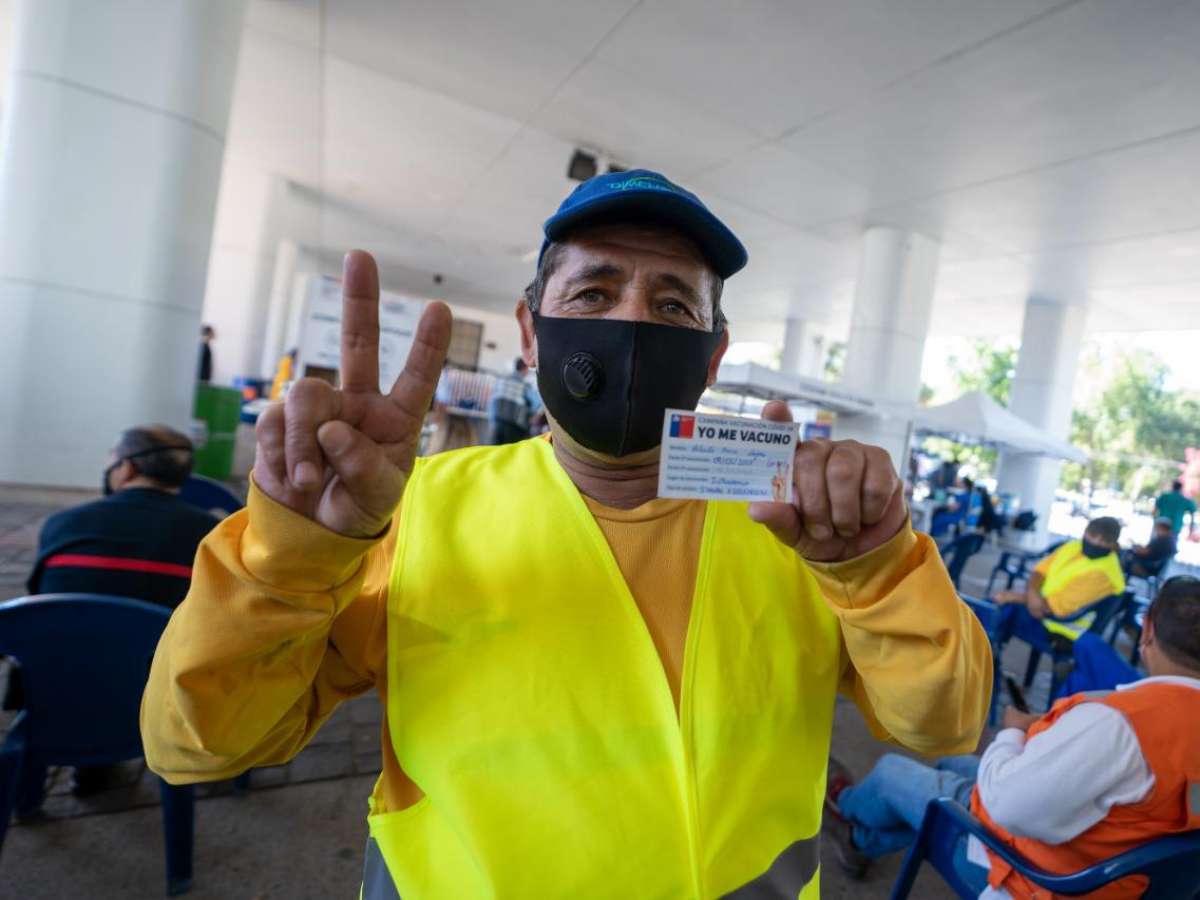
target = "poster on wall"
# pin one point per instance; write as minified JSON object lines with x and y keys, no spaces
{"x":321,"y":330}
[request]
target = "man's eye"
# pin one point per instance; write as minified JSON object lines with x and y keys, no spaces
{"x":590,"y":296}
{"x":676,"y":308}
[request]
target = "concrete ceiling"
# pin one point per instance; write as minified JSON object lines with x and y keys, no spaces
{"x":1052,"y":147}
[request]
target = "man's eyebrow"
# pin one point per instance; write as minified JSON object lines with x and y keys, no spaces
{"x":594,"y":272}
{"x":674,"y":281}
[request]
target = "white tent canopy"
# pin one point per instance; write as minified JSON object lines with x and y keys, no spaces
{"x":975,"y":418}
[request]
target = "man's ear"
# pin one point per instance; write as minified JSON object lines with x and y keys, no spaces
{"x":715,"y":363}
{"x":528,"y":337}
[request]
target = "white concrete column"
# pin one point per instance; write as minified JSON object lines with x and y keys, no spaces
{"x":110,"y":157}
{"x":892,"y":303}
{"x":1051,"y":339}
{"x":279,"y":306}
{"x":258,"y":215}
{"x":803,"y":349}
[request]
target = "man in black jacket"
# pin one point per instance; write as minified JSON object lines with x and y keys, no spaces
{"x":138,"y":541}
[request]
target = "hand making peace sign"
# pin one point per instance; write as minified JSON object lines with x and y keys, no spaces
{"x":341,"y":456}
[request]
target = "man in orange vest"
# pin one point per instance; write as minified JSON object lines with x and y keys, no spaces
{"x":1099,"y":774}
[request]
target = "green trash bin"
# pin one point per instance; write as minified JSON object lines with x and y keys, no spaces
{"x":220,"y":409}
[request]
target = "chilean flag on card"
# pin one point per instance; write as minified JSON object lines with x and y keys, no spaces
{"x":682,"y":426}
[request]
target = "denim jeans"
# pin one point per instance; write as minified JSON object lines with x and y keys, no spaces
{"x":886,"y":807}
{"x":1014,"y":620}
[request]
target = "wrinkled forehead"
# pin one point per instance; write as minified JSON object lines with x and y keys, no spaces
{"x":635,"y":245}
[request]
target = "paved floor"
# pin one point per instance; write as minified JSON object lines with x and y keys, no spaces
{"x":299,"y":831}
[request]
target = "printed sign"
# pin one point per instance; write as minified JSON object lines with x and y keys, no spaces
{"x":725,"y":458}
{"x":321,"y":335}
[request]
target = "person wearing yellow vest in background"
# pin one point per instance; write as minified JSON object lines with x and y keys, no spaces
{"x":1076,"y":575}
{"x":283,"y":374}
{"x":1099,"y":774}
{"x":589,"y":691}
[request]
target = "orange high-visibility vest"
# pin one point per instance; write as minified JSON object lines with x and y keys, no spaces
{"x":1165,"y":718}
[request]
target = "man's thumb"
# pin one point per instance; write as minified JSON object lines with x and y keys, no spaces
{"x":777,"y":411}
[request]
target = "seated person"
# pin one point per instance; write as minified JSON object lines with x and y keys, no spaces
{"x":1077,"y":574}
{"x":138,"y":541}
{"x":989,"y":519}
{"x":1150,"y":559}
{"x":969,"y":500}
{"x":1094,"y":777}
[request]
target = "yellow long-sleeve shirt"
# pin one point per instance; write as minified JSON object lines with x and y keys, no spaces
{"x":286,"y":619}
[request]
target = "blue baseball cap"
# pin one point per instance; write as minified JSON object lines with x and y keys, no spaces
{"x":641,"y":194}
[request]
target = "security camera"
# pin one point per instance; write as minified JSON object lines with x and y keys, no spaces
{"x":582,"y":166}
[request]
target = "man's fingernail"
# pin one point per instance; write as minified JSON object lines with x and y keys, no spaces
{"x":306,"y":475}
{"x":820,"y":532}
{"x":336,"y":441}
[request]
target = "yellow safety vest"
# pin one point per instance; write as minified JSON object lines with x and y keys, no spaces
{"x":528,"y":702}
{"x":1067,"y":563}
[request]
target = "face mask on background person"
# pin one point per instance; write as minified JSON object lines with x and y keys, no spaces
{"x":607,"y":382}
{"x":1092,"y":550}
{"x":105,"y":482}
{"x":106,"y":485}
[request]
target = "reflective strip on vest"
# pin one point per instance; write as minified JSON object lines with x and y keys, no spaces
{"x":791,"y":872}
{"x":377,"y":881}
{"x":1194,"y":798}
{"x":1070,"y":630}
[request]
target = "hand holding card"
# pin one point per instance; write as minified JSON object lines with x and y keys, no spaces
{"x":847,"y":498}
{"x":725,"y":458}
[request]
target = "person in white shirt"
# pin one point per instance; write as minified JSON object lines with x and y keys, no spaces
{"x":1096,"y":775}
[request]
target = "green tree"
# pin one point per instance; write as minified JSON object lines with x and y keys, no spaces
{"x":989,"y":368}
{"x":835,"y":357}
{"x":1135,"y":428}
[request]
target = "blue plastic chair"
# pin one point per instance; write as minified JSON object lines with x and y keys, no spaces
{"x":211,"y":496}
{"x":1154,"y":577}
{"x":1015,"y":564}
{"x":1172,"y":863}
{"x":987,"y":612}
{"x":958,"y":551}
{"x":84,"y":660}
{"x":946,"y":522}
{"x":1129,"y":619}
{"x":1104,"y":611}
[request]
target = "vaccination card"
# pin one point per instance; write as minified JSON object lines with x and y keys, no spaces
{"x":725,"y":458}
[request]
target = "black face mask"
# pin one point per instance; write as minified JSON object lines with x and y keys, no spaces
{"x":108,"y":488}
{"x":1093,"y":550}
{"x":608,"y":382}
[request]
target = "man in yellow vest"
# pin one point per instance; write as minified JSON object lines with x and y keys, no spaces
{"x":626,"y":696}
{"x":1076,"y":575}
